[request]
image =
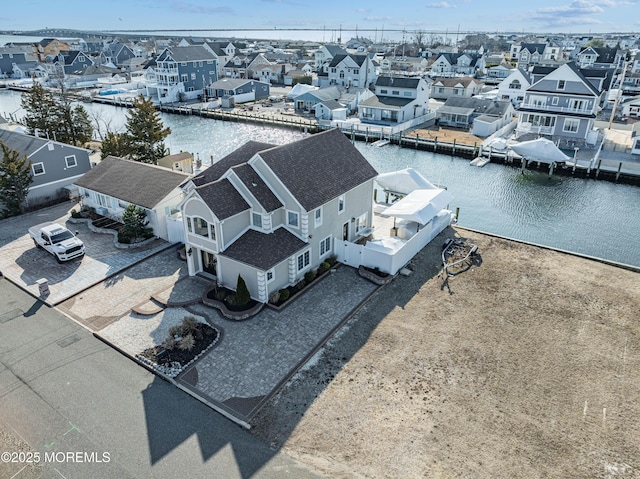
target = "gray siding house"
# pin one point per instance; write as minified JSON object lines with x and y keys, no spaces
{"x":54,"y":165}
{"x":561,"y":106}
{"x":239,"y":89}
{"x":272,"y":213}
{"x":9,"y":57}
{"x":182,"y":73}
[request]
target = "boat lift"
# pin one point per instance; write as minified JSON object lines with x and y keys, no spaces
{"x":457,"y":256}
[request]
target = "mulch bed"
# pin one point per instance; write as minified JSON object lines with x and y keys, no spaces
{"x":165,"y":357}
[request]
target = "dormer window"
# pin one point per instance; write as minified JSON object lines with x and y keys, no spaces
{"x":293,"y":219}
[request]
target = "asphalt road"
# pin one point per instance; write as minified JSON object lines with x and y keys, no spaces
{"x":64,"y":392}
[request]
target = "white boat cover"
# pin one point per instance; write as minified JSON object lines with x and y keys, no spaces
{"x":541,"y":149}
{"x":403,"y":181}
{"x":299,"y":89}
{"x":388,"y":244}
{"x":421,"y":205}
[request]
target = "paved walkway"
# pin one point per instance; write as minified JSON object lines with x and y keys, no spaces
{"x":256,"y":356}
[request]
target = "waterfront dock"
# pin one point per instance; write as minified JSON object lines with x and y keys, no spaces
{"x":616,"y":170}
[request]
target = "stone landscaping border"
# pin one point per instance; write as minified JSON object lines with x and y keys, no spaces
{"x":116,"y":243}
{"x":176,"y":368}
{"x":374,"y":278}
{"x":226,"y":312}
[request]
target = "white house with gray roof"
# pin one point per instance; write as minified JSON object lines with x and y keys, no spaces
{"x":514,"y":86}
{"x":396,"y":100}
{"x":115,"y":183}
{"x":357,"y":71}
{"x":272,"y":213}
{"x":54,"y":165}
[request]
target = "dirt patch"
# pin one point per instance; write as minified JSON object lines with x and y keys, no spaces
{"x":525,"y":365}
{"x":447,"y":135}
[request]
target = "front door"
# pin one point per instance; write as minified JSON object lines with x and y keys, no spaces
{"x":208,"y":262}
{"x":345,"y":231}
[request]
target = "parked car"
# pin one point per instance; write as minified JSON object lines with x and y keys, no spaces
{"x":57,"y":240}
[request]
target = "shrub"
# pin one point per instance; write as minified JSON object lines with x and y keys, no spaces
{"x":324,"y":267}
{"x":75,"y":214}
{"x":242,"y":293}
{"x":189,"y":324}
{"x":170,"y":343}
{"x":300,"y":285}
{"x":187,"y":342}
{"x":274,"y":298}
{"x":309,"y":276}
{"x":124,"y":238}
{"x":284,"y":294}
{"x":175,"y":330}
{"x":332,"y":261}
{"x":220,"y":294}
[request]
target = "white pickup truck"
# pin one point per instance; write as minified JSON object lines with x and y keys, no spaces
{"x":57,"y":240}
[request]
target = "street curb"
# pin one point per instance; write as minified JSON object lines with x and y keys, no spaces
{"x":172,"y":381}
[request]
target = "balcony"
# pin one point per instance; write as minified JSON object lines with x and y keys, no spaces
{"x":556,"y":109}
{"x":525,"y":128}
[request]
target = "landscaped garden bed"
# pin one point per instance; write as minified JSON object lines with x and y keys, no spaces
{"x":284,"y":296}
{"x":184,"y":343}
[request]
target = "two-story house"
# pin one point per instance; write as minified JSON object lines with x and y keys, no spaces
{"x":443,"y":88}
{"x":54,"y":165}
{"x":592,"y":57}
{"x":10,"y":56}
{"x":350,"y":71}
{"x":71,"y":61}
{"x":182,"y":73}
{"x":562,"y":106}
{"x":396,"y":100}
{"x":49,"y":46}
{"x":458,"y":64}
{"x":325,"y":54}
{"x":116,"y":53}
{"x":272,"y":213}
{"x":514,"y":86}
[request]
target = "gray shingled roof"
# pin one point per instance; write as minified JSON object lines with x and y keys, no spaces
{"x":131,"y":181}
{"x":257,"y":187}
{"x":479,"y":105}
{"x":399,"y":82}
{"x":381,"y":101}
{"x":237,"y":157}
{"x":222,"y":198}
{"x":190,"y":53}
{"x":24,"y":144}
{"x":273,"y":247}
{"x":319,"y":168}
{"x":358,"y":59}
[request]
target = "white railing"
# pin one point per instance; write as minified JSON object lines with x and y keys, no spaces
{"x":558,"y":109}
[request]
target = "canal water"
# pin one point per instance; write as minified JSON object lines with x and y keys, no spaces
{"x":592,"y":217}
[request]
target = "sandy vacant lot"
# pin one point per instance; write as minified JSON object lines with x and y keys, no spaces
{"x":524,"y":366}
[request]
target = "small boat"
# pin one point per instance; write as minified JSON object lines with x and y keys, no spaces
{"x":480,"y":161}
{"x":380,"y":143}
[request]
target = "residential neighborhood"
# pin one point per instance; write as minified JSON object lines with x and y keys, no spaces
{"x":320,"y":243}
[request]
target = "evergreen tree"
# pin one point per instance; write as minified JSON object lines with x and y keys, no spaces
{"x":15,"y":178}
{"x":55,"y":118}
{"x":115,"y":144}
{"x":145,"y":132}
{"x":40,"y":106}
{"x":135,"y":222}
{"x":242,"y":293}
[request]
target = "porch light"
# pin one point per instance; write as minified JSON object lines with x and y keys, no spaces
{"x":190,"y":252}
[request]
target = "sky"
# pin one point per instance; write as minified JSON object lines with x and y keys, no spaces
{"x":372,"y":18}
